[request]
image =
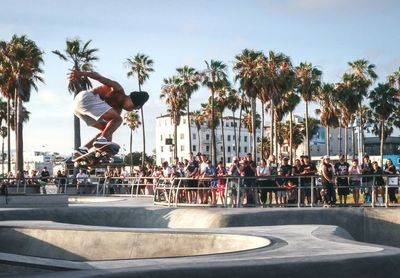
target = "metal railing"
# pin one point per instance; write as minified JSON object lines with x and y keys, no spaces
{"x":228,"y":190}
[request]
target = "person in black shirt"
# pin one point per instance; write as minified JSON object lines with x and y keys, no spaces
{"x":390,"y":169}
{"x":366,"y":169}
{"x":45,"y":178}
{"x":342,"y":183}
{"x":328,"y":192}
{"x":309,"y":169}
{"x":193,"y":172}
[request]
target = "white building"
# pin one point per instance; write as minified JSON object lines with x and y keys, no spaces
{"x":201,"y":140}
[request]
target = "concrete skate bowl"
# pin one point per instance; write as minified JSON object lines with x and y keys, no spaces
{"x":98,"y":244}
{"x":377,"y":226}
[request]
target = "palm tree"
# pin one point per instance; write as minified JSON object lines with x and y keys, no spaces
{"x":362,"y":76}
{"x":23,"y":59}
{"x":246,"y":66}
{"x":198,"y":120}
{"x":276,"y":79}
{"x":221,"y":105}
{"x":394,"y":80}
{"x":190,"y":83}
{"x":175,"y":98}
{"x":141,"y":66}
{"x":132,"y":120}
{"x":244,"y":105}
{"x":248,"y":124}
{"x":384,"y":104}
{"x":309,"y":82}
{"x":233,"y":104}
{"x":329,"y":112}
{"x":81,"y":56}
{"x":214,"y":78}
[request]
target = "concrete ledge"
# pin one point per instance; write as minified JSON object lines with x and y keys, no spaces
{"x":33,"y":201}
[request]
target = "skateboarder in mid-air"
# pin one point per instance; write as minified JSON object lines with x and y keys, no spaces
{"x":101,"y":108}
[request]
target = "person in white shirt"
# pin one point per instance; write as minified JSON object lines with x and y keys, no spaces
{"x":81,"y":179}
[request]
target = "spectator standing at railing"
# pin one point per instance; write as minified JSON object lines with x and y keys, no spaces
{"x":203,"y":193}
{"x":379,"y":183}
{"x":221,"y":172}
{"x":45,"y":179}
{"x":355,"y":180}
{"x":393,"y":182}
{"x":366,"y":169}
{"x":246,"y":171}
{"x":328,"y":192}
{"x":263,"y":170}
{"x":309,"y":169}
{"x":233,"y":171}
{"x":273,"y":165}
{"x":81,"y":179}
{"x":193,"y":171}
{"x":342,"y":182}
{"x":61,"y":181}
{"x":209,"y":172}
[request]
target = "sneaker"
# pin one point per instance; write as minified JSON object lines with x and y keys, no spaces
{"x":81,"y":151}
{"x":101,"y":141}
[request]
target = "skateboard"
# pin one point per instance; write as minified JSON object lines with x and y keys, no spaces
{"x":96,"y":156}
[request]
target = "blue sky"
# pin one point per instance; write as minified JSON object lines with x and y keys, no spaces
{"x":328,"y":33}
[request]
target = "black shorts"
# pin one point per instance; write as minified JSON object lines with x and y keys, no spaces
{"x":343,"y":186}
{"x":192,"y":183}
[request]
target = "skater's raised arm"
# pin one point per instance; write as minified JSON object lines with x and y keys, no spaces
{"x":96,"y":76}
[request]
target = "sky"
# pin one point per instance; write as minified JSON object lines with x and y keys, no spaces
{"x":327,"y":33}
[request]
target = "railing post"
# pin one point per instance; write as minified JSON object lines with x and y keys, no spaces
{"x":373,"y":192}
{"x":312,"y":192}
{"x":298,"y":191}
{"x":387,"y":193}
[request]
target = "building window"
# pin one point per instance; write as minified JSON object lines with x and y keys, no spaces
{"x":207,"y":136}
{"x":221,"y":149}
{"x":182,"y":148}
{"x":229,"y":149}
{"x":231,"y":124}
{"x":245,"y":138}
{"x":229,"y":160}
{"x":162,"y":149}
{"x":207,"y":149}
{"x":245,"y":149}
{"x":194,"y":148}
{"x":229,"y":138}
{"x":240,"y":149}
{"x":227,"y":125}
{"x":182,"y":136}
{"x":194,"y":136}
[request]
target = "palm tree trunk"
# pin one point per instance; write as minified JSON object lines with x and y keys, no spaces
{"x":262,"y":131}
{"x":19,"y":138}
{"x":353,"y":142}
{"x":328,"y":142}
{"x":213,"y":143}
{"x":382,"y":140}
{"x":276,"y":134}
{"x":223,"y":141}
{"x":271,"y":128}
{"x":199,"y":140}
{"x":307,"y":133}
{"x":130,"y":151}
{"x":340,"y":137}
{"x":291,"y":137}
{"x":253,"y":112}
{"x":8,"y":134}
{"x":189,"y":127}
{"x":240,"y":131}
{"x":234,"y":132}
{"x":175,"y":139}
{"x":143,"y":129}
{"x":346,"y":147}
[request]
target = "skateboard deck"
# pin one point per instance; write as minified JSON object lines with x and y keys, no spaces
{"x":96,"y":156}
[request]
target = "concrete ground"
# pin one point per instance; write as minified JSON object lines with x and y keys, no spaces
{"x":307,"y":242}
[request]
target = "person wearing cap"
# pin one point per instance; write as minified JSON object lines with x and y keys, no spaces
{"x":101,"y":107}
{"x":328,"y":192}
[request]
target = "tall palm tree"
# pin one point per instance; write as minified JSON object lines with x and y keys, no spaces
{"x":131,"y":120}
{"x":329,"y":111}
{"x":175,"y":98}
{"x":384,"y":104}
{"x":81,"y":56}
{"x":190,"y":83}
{"x":362,"y":76}
{"x":276,"y":79}
{"x":233,"y":104}
{"x":198,"y":119}
{"x":248,"y":124}
{"x":221,"y":104}
{"x":23,"y":58}
{"x":141,"y":66}
{"x":215,"y":77}
{"x":246,"y":66}
{"x":206,"y":111}
{"x":309,"y":82}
